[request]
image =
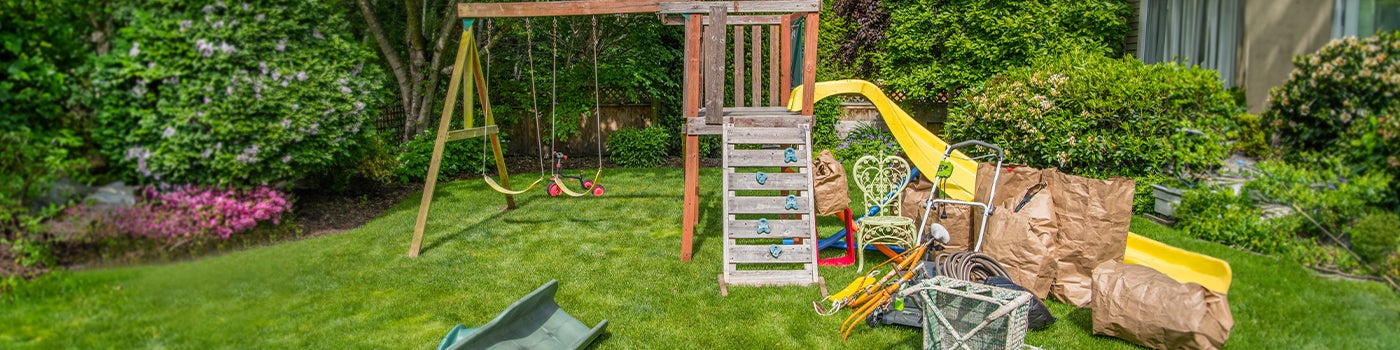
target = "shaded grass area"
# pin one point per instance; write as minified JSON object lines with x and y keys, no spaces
{"x":616,"y":258}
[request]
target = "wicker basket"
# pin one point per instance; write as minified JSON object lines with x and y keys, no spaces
{"x":965,"y":315}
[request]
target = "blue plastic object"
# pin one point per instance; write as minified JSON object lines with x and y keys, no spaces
{"x":760,"y":177}
{"x":775,"y":250}
{"x":791,"y":202}
{"x":763,"y":226}
{"x":789,"y":155}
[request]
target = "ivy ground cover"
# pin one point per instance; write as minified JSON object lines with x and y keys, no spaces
{"x":616,"y":259}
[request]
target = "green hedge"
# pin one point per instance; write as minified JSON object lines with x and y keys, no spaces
{"x":215,"y":92}
{"x":639,"y":148}
{"x":934,"y":46}
{"x":1096,"y":116}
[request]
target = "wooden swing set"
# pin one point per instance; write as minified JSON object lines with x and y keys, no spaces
{"x":791,"y":61}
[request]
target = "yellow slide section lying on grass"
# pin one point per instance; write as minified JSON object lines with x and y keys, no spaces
{"x":926,"y":150}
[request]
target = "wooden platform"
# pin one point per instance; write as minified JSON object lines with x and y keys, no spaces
{"x":743,"y":117}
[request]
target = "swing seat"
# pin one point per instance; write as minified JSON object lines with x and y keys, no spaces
{"x":504,"y":190}
{"x":533,"y":322}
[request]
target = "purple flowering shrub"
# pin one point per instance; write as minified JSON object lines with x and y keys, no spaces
{"x":183,"y":212}
{"x":866,"y":140}
{"x":233,"y":93}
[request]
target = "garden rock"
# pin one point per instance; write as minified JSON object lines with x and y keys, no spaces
{"x":63,"y":190}
{"x":112,"y":196}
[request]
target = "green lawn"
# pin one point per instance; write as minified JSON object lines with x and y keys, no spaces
{"x":616,"y":258}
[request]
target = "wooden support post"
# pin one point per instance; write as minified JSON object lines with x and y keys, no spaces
{"x":809,"y":64}
{"x":785,"y":61}
{"x":756,"y":64}
{"x":434,"y":163}
{"x":690,"y":209}
{"x":714,"y":66}
{"x":774,"y":96}
{"x":739,"y":66}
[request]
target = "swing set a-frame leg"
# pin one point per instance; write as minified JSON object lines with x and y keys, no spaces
{"x":465,"y":50}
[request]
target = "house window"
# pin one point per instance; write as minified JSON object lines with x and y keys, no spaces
{"x":1192,"y":32}
{"x":1365,"y":17}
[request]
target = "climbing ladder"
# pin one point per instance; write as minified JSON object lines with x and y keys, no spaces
{"x":756,"y":241}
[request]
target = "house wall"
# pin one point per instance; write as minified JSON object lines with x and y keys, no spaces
{"x":1274,"y":32}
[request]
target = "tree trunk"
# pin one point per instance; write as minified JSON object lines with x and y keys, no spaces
{"x":435,"y":67}
{"x":414,"y":39}
{"x":401,"y":76}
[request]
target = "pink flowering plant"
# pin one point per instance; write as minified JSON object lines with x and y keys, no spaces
{"x":236,"y":93}
{"x":177,"y":214}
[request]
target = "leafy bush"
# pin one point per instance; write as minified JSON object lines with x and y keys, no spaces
{"x":1252,"y":137}
{"x":865,"y":140}
{"x":379,"y":158}
{"x":1222,"y":216}
{"x":1375,"y":236}
{"x":934,"y":46}
{"x":462,"y":156}
{"x":1328,"y":190}
{"x":232,"y":94}
{"x":826,"y":113}
{"x":41,"y":42}
{"x":31,"y":164}
{"x":709,"y":146}
{"x":638,"y":148}
{"x":1096,"y":116}
{"x":1342,"y":99}
{"x":182,"y":213}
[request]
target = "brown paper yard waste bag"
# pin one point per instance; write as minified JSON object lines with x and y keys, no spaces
{"x":912,"y":199}
{"x":1149,"y":308}
{"x":1022,"y":247}
{"x":958,"y":220}
{"x":953,"y":217}
{"x":829,"y":182}
{"x":1092,"y":218}
{"x":1013,"y":176}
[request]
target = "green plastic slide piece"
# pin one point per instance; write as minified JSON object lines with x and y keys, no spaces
{"x":533,"y":322}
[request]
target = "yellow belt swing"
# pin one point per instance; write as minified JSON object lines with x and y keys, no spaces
{"x":598,"y":120}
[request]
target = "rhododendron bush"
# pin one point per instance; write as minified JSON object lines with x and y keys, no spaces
{"x":179,"y":213}
{"x":232,"y":93}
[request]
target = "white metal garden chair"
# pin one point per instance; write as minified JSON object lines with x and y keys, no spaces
{"x":880,"y":180}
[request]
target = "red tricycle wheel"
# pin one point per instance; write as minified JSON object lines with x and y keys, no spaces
{"x":597,"y":190}
{"x":554,"y":190}
{"x":587,"y":184}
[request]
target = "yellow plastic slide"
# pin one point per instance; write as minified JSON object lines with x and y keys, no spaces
{"x":926,"y":151}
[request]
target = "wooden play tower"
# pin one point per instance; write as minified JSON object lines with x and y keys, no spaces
{"x":738,"y":89}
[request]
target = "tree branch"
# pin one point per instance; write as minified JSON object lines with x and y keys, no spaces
{"x":435,"y":67}
{"x":386,"y":48}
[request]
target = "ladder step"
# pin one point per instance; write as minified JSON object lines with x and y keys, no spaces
{"x":760,"y":254}
{"x":765,"y":136}
{"x":739,"y":229}
{"x":767,"y":205}
{"x":775,"y":181}
{"x":766,"y":158}
{"x":770,"y":277}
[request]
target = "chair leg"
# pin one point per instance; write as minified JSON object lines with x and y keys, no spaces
{"x":860,"y":255}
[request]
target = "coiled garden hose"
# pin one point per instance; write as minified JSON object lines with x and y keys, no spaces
{"x":968,"y":266}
